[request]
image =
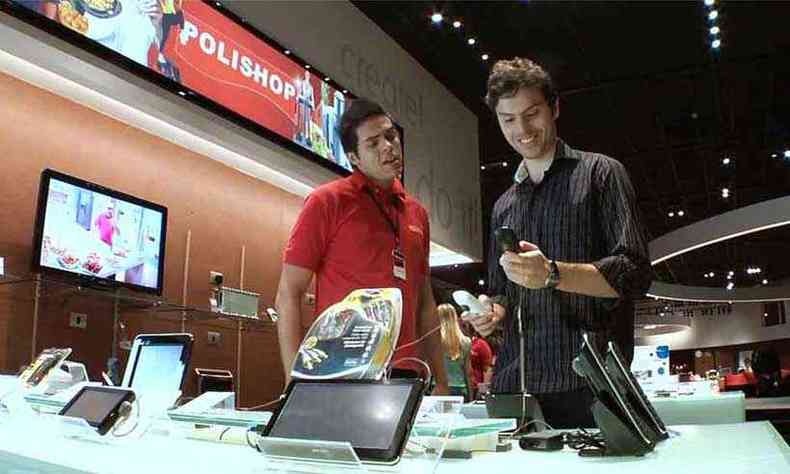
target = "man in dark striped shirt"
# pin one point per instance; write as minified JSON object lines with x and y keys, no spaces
{"x":582,"y":256}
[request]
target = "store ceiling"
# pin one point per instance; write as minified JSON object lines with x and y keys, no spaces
{"x":639,"y":82}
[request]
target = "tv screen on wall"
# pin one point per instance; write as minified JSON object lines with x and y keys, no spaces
{"x":203,"y":48}
{"x":99,"y":235}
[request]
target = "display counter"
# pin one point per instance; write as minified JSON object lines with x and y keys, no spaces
{"x":734,"y":448}
{"x":701,"y":408}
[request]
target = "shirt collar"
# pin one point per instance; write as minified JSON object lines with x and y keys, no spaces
{"x":563,"y":151}
{"x":360,"y":182}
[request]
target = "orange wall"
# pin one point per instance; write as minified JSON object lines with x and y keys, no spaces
{"x":223,"y":209}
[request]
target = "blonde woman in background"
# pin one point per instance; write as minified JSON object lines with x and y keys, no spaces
{"x":457,"y":347}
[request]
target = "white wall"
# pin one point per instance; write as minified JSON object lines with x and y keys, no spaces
{"x":743,"y":325}
{"x":442,"y":164}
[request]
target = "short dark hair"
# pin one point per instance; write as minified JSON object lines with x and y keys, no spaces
{"x":508,"y":76}
{"x":357,"y":112}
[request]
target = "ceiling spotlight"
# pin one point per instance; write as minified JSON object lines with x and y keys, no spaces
{"x":730,"y":286}
{"x":765,"y":315}
{"x":714,"y":30}
{"x":471,"y":41}
{"x":725,"y":161}
{"x":484,"y":57}
{"x":182,"y":93}
{"x":437,"y":17}
{"x":307,"y":66}
{"x":787,"y":153}
{"x":712,"y":274}
{"x":713,"y":15}
{"x":504,"y":164}
{"x":483,"y":167}
{"x":765,"y":282}
{"x":345,"y":91}
{"x":456,"y":24}
{"x":671,"y":214}
{"x":326,"y":79}
{"x":481,"y":282}
{"x":715,"y":44}
{"x":709,"y":3}
{"x":731,"y":273}
{"x":287,"y":52}
{"x":680,"y":213}
{"x":729,"y":277}
{"x":774,"y":155}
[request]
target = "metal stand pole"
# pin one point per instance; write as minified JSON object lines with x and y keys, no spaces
{"x":36,"y":298}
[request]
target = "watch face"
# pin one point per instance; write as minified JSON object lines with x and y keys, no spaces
{"x":553,"y":279}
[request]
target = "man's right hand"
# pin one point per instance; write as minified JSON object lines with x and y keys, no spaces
{"x":484,"y":323}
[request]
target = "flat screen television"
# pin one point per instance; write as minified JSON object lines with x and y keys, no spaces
{"x":98,"y":235}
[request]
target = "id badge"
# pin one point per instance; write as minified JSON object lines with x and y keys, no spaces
{"x":399,"y":264}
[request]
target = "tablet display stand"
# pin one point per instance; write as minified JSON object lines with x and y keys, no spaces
{"x":286,"y":455}
{"x":422,"y":453}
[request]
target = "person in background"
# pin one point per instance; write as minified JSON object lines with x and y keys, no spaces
{"x":767,"y":367}
{"x":457,"y":348}
{"x":482,"y":358}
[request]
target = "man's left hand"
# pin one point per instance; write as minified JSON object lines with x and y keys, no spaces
{"x":528,"y":268}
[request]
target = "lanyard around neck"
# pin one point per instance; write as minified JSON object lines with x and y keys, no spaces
{"x":393,"y":224}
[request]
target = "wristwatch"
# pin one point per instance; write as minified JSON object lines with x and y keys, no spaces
{"x":553,"y":278}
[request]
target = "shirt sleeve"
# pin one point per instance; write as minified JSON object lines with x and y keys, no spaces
{"x":310,"y":235}
{"x":627,"y":266}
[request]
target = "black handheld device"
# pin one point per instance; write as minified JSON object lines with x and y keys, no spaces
{"x":101,"y":407}
{"x":505,"y":239}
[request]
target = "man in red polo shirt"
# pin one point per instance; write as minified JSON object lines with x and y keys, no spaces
{"x":363,"y":231}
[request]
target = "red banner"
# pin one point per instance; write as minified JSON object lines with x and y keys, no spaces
{"x":197,"y":46}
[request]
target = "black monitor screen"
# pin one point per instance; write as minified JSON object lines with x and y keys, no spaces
{"x":588,"y":364}
{"x":635,"y":397}
{"x":371,"y":416}
{"x":93,"y":232}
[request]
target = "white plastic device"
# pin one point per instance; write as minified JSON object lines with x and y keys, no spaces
{"x":464,"y":298}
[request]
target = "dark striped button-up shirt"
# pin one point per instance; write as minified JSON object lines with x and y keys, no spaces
{"x":583,"y":211}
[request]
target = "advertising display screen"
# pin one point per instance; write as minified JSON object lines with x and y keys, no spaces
{"x":94,"y":232}
{"x":206,"y":51}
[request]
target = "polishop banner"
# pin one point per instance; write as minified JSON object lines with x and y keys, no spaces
{"x":204,"y":50}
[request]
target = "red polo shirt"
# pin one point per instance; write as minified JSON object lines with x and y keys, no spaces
{"x":343,"y":237}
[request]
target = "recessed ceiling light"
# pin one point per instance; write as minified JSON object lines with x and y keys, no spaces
{"x":326,"y":79}
{"x":437,"y":17}
{"x":671,"y":214}
{"x":713,"y":15}
{"x":715,"y":44}
{"x":456,"y":24}
{"x":765,"y":282}
{"x":345,"y":91}
{"x":714,"y":30}
{"x":709,"y":3}
{"x":484,"y":57}
{"x":680,"y":213}
{"x":483,"y":168}
{"x":725,"y":161}
{"x":307,"y":66}
{"x":182,"y":93}
{"x":471,"y":41}
{"x":481,"y":282}
{"x":787,"y":153}
{"x":287,"y":52}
